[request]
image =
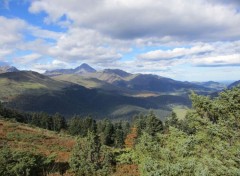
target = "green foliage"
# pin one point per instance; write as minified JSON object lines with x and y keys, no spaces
{"x":90,"y":158}
{"x":172,"y":121}
{"x":24,"y":137}
{"x":206,"y":142}
{"x":125,"y":156}
{"x":149,"y":124}
{"x":81,"y":126}
{"x":16,"y":163}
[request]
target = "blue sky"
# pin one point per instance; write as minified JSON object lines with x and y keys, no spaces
{"x":195,"y":41}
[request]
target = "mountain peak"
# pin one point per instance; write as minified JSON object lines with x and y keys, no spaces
{"x":118,"y":72}
{"x":5,"y":69}
{"x":84,"y":68}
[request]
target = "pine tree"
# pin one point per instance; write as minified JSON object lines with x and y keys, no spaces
{"x":59,"y":122}
{"x":153,"y":124}
{"x":90,"y":158}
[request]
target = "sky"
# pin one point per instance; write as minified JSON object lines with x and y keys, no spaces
{"x":196,"y":40}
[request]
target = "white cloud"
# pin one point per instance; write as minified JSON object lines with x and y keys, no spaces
{"x":79,"y":45}
{"x":13,"y":38}
{"x":26,"y":59}
{"x":127,"y":19}
{"x":219,"y":54}
{"x":99,"y":32}
{"x":218,"y":61}
{"x":10,"y":30}
{"x":157,"y":55}
{"x":55,"y":64}
{"x":44,"y":34}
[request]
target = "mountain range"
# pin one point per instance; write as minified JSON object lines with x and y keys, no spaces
{"x":84,"y":68}
{"x":236,"y":83}
{"x":109,"y":93}
{"x":4,"y":69}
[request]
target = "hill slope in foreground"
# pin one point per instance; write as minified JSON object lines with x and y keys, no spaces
{"x":23,"y":137}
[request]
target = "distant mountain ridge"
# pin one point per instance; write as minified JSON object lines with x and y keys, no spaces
{"x":6,"y":69}
{"x":108,"y":93}
{"x":118,"y":72}
{"x":31,"y":91}
{"x":134,"y":82}
{"x":234,"y":84}
{"x":82,"y":69}
{"x":211,"y":84}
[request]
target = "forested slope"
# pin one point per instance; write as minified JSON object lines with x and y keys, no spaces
{"x":205,"y":142}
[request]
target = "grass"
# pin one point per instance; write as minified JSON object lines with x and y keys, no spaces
{"x":15,"y":84}
{"x":129,"y":111}
{"x":26,"y":138}
{"x":181,"y":111}
{"x":88,"y":83}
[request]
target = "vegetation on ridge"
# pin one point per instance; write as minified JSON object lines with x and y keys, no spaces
{"x":205,"y":142}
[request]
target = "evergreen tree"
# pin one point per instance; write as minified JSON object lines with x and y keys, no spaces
{"x":153,"y":124}
{"x":58,"y":122}
{"x":119,"y":135}
{"x":90,"y":158}
{"x":206,"y":143}
{"x":75,"y":125}
{"x":172,"y":120}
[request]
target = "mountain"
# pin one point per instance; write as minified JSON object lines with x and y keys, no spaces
{"x":147,"y":83}
{"x":234,"y":84}
{"x":31,"y":91}
{"x":18,"y":83}
{"x":154,"y":83}
{"x":5,"y":69}
{"x":110,"y":93}
{"x":109,"y":75}
{"x":212,"y":85}
{"x":118,"y":72}
{"x":82,"y":69}
{"x":141,"y":83}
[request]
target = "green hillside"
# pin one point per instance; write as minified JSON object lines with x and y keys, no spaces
{"x":26,"y":82}
{"x":204,"y":142}
{"x":31,"y":91}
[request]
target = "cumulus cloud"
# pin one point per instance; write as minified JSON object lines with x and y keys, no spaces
{"x":84,"y":46}
{"x":13,"y":33}
{"x":219,"y":54}
{"x":44,"y":34}
{"x":10,"y":34}
{"x":175,"y":53}
{"x":55,"y":64}
{"x":100,"y":32}
{"x":10,"y":31}
{"x":218,"y":61}
{"x":26,"y":59}
{"x":128,"y":19}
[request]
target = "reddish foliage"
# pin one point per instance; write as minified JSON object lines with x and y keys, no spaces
{"x":131,"y":137}
{"x":126,"y":170}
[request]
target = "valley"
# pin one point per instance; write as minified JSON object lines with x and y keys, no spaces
{"x":110,"y":93}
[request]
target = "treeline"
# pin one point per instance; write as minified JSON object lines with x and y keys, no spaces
{"x":205,"y":142}
{"x":54,"y":122}
{"x":110,"y":133}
